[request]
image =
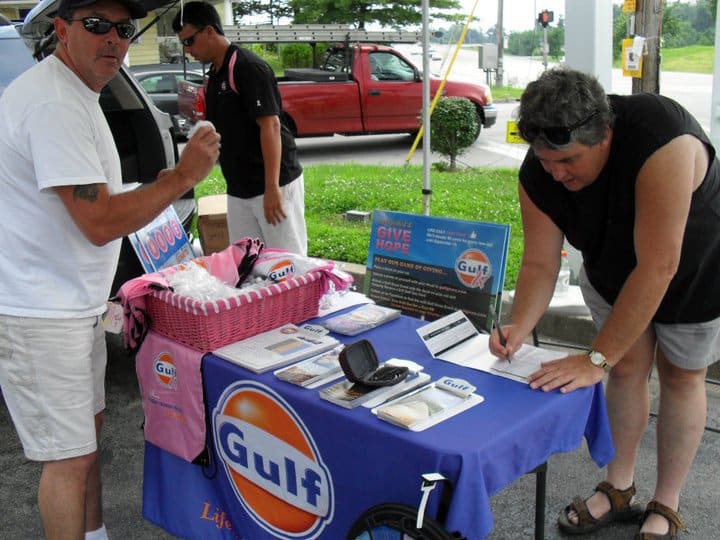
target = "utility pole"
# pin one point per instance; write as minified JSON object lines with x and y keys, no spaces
{"x":500,"y":37}
{"x":648,"y":24}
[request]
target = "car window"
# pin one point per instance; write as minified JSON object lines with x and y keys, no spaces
{"x":158,"y":84}
{"x":195,"y":79}
{"x":386,"y":66}
{"x":15,"y":58}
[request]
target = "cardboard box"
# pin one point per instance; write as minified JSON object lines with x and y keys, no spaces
{"x":212,"y":223}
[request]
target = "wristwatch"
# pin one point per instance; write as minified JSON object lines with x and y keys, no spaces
{"x":598,"y":359}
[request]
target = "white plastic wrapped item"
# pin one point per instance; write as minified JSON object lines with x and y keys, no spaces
{"x":196,"y":282}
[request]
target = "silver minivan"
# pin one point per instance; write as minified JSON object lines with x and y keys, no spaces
{"x":143,"y":134}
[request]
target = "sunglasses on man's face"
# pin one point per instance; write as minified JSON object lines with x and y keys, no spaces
{"x":559,"y":136}
{"x":189,"y":41}
{"x":97,"y":25}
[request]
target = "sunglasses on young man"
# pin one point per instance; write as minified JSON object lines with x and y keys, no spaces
{"x":188,"y":41}
{"x":558,"y":135}
{"x":100,"y":26}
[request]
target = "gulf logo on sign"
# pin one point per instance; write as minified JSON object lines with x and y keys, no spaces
{"x":272,"y":462}
{"x":281,"y":270}
{"x":473,"y":268}
{"x":164,"y":369}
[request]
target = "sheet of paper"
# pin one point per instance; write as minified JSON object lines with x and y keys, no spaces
{"x":458,"y":342}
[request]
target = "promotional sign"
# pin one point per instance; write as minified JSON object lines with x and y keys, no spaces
{"x":162,"y":242}
{"x":430,"y":266}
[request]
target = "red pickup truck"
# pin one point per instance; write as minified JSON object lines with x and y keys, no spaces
{"x":358,"y":90}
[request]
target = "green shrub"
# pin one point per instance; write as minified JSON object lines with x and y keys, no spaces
{"x":296,"y":55}
{"x":453,"y":127}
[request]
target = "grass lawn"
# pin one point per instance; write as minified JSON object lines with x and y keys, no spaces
{"x":488,"y":195}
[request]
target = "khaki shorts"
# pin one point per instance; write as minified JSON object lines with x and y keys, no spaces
{"x":687,"y":345}
{"x":52,"y":374}
{"x":246,"y":217}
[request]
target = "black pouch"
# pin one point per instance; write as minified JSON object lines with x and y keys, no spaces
{"x":359,"y":362}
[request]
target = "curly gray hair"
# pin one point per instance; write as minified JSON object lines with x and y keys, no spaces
{"x":563,"y":106}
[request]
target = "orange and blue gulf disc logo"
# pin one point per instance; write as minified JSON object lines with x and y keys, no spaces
{"x":164,"y":369}
{"x":473,"y":268}
{"x":281,"y":270}
{"x":272,"y":462}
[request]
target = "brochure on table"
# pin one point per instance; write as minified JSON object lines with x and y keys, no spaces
{"x":430,"y":404}
{"x":361,"y":319}
{"x":453,"y":338}
{"x":430,"y":266}
{"x":278,"y":347}
{"x":350,"y":395}
{"x":315,"y":371}
{"x":162,"y":242}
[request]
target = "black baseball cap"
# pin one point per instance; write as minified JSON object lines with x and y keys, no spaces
{"x":137,"y":11}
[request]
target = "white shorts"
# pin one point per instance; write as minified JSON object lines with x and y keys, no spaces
{"x":246,"y":218}
{"x":686,"y":345}
{"x":52,"y":374}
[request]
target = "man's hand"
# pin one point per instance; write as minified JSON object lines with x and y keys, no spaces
{"x":273,"y":206}
{"x":199,"y":156}
{"x":568,"y":374}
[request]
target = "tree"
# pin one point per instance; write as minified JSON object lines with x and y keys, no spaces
{"x":274,"y":9}
{"x":393,"y":13}
{"x":453,"y":127}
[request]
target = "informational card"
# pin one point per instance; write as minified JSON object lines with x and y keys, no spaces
{"x":162,"y":242}
{"x":431,"y":266}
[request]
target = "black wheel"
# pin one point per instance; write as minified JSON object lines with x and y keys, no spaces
{"x":391,"y":521}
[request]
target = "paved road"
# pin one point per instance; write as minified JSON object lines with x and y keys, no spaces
{"x":692,"y":90}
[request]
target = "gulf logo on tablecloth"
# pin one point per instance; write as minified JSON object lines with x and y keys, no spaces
{"x":164,"y":369}
{"x":281,"y":270}
{"x":473,"y":268}
{"x":272,"y":462}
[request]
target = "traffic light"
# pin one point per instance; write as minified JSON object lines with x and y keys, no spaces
{"x":545,"y":17}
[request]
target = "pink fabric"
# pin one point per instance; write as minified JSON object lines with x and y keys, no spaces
{"x":171,"y":390}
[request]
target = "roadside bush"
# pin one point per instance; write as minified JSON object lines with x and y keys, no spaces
{"x":296,"y":55}
{"x":453,"y":127}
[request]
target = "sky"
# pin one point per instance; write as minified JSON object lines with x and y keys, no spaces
{"x":518,"y":15}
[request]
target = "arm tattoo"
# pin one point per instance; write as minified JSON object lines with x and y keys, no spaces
{"x":87,"y":193}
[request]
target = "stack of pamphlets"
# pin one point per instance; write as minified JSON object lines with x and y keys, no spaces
{"x":361,"y":319}
{"x":278,"y":347}
{"x":315,"y":371}
{"x":430,"y":404}
{"x":350,"y":395}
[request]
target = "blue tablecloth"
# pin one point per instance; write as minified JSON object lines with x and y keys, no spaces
{"x":333,"y":463}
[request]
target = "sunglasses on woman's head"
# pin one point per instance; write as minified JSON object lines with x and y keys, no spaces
{"x":559,"y":136}
{"x":97,"y":25}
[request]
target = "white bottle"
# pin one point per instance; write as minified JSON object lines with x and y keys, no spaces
{"x":563,"y":279}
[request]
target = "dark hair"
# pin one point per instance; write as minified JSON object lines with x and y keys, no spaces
{"x":200,"y":15}
{"x":564,"y":99}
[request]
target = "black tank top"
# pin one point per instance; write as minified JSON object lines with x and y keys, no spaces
{"x":599,"y":219}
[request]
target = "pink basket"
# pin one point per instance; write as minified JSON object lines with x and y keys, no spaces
{"x":206,"y":326}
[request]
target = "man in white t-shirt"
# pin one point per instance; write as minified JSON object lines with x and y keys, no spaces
{"x":65,"y":215}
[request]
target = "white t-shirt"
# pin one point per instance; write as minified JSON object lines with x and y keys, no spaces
{"x":52,"y":133}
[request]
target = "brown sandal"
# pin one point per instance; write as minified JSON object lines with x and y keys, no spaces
{"x":621,"y":509}
{"x":673,"y":518}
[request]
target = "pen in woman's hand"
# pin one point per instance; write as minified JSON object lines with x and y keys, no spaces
{"x":503,"y":341}
{"x":501,"y":335}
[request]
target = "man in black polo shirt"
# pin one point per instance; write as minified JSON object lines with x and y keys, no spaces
{"x":266,"y":193}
